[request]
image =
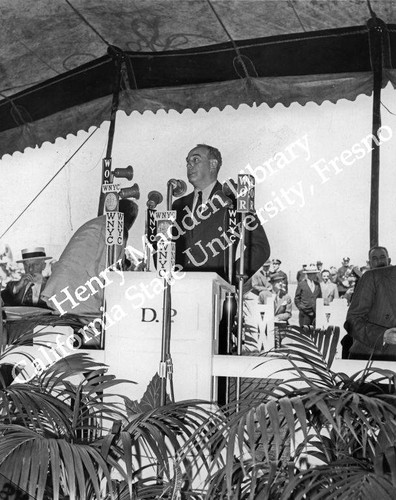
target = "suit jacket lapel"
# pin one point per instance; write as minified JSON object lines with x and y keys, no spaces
{"x":190,"y":200}
{"x":216,"y":187}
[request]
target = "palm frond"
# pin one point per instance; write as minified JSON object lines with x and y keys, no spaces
{"x":341,"y":481}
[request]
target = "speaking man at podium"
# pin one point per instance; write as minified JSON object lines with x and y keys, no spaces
{"x":201,"y":237}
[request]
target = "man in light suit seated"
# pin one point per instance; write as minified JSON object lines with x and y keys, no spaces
{"x":27,"y":291}
{"x":371,"y":318}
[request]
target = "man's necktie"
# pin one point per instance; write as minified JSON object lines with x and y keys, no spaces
{"x":28,"y":297}
{"x":198,"y":203}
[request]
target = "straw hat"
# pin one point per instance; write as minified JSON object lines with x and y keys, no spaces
{"x":33,"y":253}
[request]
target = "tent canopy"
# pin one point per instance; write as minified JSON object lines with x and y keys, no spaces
{"x":59,"y":58}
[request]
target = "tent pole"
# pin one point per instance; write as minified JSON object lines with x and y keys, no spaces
{"x":118,"y":58}
{"x":376,"y":29}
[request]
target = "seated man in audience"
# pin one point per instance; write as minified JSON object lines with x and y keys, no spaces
{"x":28,"y":290}
{"x":371,"y":317}
{"x":329,"y":289}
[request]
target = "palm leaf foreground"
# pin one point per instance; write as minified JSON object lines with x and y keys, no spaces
{"x":318,"y":435}
{"x":65,"y":434}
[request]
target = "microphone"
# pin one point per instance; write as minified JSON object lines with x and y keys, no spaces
{"x":124,"y":172}
{"x":230,"y":188}
{"x":245,"y":196}
{"x":154,"y":199}
{"x":179,"y":187}
{"x":130,"y":192}
{"x":225,"y":200}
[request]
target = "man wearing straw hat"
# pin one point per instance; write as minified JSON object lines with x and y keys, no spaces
{"x":307,"y":292}
{"x":27,"y":290}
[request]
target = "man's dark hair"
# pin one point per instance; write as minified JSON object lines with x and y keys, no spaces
{"x":130,"y":210}
{"x":324,"y":271}
{"x":377,"y":247}
{"x":213,"y":153}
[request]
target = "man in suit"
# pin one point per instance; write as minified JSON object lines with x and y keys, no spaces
{"x":371,"y":317}
{"x":307,"y":292}
{"x":301,"y":273}
{"x":342,"y":276}
{"x":260,"y":280}
{"x":282,"y":301}
{"x":28,"y":290}
{"x":276,"y":270}
{"x":329,"y":289}
{"x":201,"y":235}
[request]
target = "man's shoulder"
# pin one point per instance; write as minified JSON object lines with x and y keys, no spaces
{"x":380,"y":273}
{"x":183,"y":201}
{"x":302,"y":284}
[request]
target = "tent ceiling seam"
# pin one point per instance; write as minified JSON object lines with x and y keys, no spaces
{"x":87,"y":23}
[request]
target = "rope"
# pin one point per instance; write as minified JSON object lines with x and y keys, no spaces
{"x":48,"y":183}
{"x":372,"y":13}
{"x":236,"y":48}
{"x":88,"y":23}
{"x":296,"y":14}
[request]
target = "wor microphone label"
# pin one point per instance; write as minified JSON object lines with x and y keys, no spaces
{"x":245,"y":197}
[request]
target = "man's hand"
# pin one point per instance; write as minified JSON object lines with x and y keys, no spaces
{"x":26,"y":278}
{"x":390,"y":336}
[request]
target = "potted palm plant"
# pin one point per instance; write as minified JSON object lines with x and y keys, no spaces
{"x":320,"y":434}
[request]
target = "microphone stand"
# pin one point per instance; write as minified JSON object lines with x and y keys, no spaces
{"x":245,"y":204}
{"x":229,"y":299}
{"x":166,"y":364}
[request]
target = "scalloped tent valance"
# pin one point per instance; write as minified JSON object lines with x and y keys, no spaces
{"x":198,"y":54}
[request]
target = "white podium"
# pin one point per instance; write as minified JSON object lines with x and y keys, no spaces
{"x":132,"y":344}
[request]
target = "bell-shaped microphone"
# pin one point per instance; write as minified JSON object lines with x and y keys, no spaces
{"x":130,"y":192}
{"x":179,"y":187}
{"x":124,"y":172}
{"x":230,"y":188}
{"x":224,"y":199}
{"x":154,"y":198}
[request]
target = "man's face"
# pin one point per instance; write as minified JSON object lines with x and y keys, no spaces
{"x":325,"y":276}
{"x":379,"y":258}
{"x":34,"y":266}
{"x":311,"y":276}
{"x":275,"y":266}
{"x":201,"y":171}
